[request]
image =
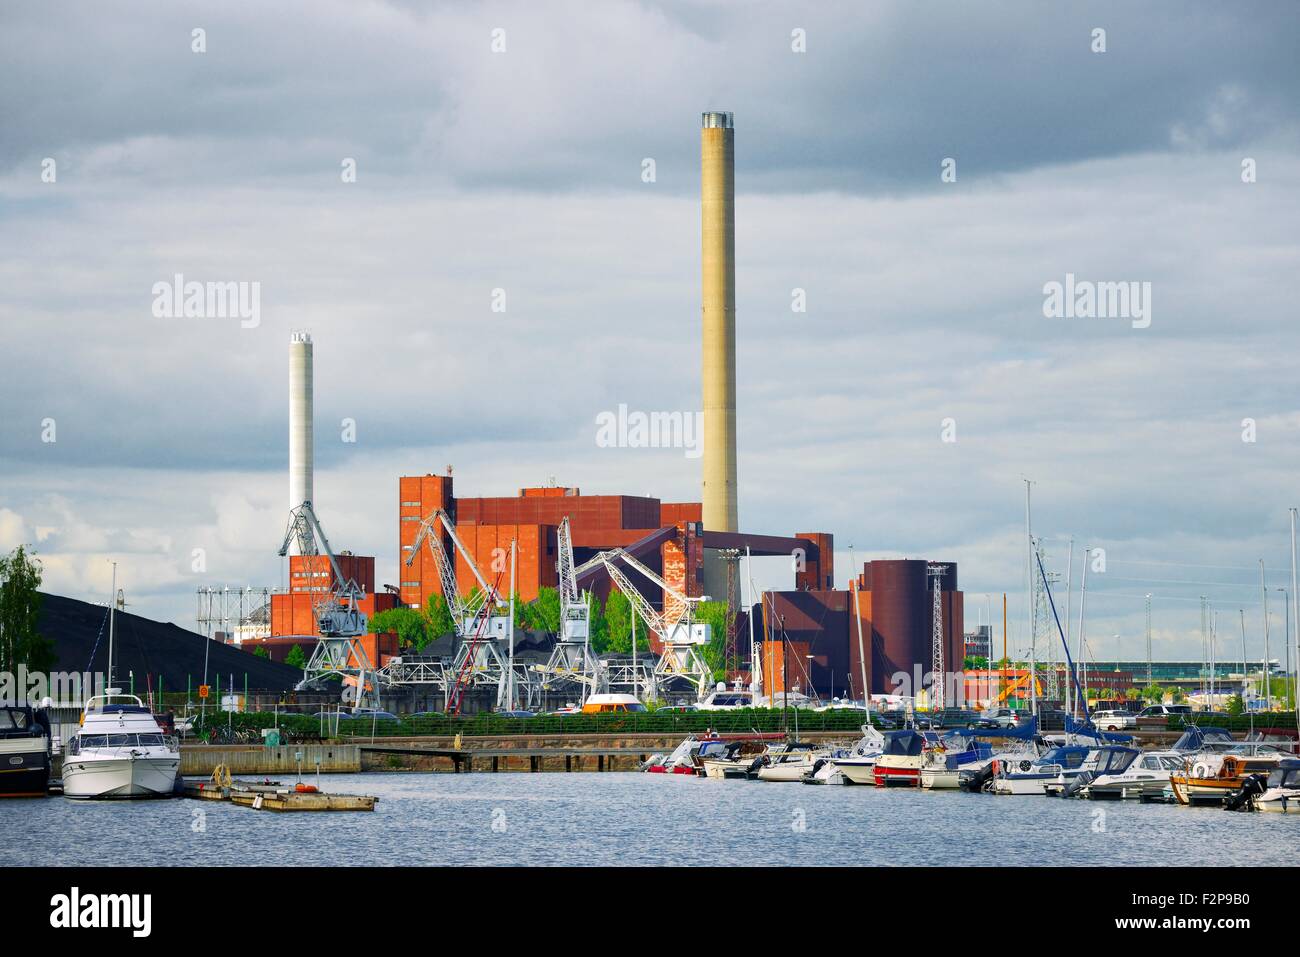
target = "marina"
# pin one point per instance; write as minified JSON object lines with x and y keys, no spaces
{"x":629,"y":818}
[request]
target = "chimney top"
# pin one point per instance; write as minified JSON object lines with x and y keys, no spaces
{"x":724,"y":121}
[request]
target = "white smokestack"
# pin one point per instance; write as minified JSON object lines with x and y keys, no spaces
{"x":300,"y":419}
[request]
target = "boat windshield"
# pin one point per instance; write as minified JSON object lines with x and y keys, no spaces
{"x":13,"y":719}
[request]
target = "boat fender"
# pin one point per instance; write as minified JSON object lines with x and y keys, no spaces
{"x":997,"y":766}
{"x":1200,"y":771}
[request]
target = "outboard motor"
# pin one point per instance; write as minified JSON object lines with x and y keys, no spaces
{"x":759,"y":762}
{"x":1243,"y":799}
{"x":977,"y":781}
{"x":1075,"y":785}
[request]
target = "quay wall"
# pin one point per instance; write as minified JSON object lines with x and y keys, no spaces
{"x":200,"y":760}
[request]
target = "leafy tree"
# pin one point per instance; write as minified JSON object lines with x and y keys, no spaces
{"x":1153,"y":693}
{"x":1236,"y":705}
{"x":618,"y":616}
{"x":714,"y":614}
{"x":1106,"y":694}
{"x":544,"y":610}
{"x":261,"y":652}
{"x":1178,"y":696}
{"x":975,"y":663}
{"x":21,"y":642}
{"x":410,"y":626}
{"x":296,"y":657}
{"x":598,"y":627}
{"x":438,"y":616}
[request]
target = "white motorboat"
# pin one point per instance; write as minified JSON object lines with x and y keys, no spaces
{"x":1282,"y":790}
{"x":1028,"y":775}
{"x":1146,"y":779}
{"x":859,"y":767}
{"x":828,"y":771}
{"x":120,"y":752}
{"x":789,"y":763}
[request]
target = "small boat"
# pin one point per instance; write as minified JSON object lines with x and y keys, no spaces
{"x":902,"y":755}
{"x":1145,"y":779}
{"x":120,"y":752}
{"x":829,"y":770}
{"x":1105,"y":762}
{"x":680,"y":761}
{"x":1281,"y":790}
{"x":24,"y":751}
{"x":953,"y":753}
{"x":734,"y":761}
{"x":1209,"y":777}
{"x":1028,"y":775}
{"x":788,"y":763}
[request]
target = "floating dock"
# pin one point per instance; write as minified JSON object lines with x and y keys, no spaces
{"x":274,"y":796}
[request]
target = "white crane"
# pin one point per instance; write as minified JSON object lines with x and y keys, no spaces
{"x":483,"y":624}
{"x":680,"y":634}
{"x":572,"y":659}
{"x":337,"y":610}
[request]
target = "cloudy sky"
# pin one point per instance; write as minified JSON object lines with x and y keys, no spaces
{"x":521,"y":169}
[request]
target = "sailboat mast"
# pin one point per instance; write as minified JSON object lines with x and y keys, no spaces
{"x":112,"y":610}
{"x":1029,"y":601}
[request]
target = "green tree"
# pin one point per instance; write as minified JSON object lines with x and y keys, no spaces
{"x":261,"y":652}
{"x":598,"y":628}
{"x":21,"y":643}
{"x":438,"y":616}
{"x":296,"y":657}
{"x":1178,"y":696}
{"x":975,"y":663}
{"x":618,"y":617}
{"x":544,"y":610}
{"x":1153,"y":693}
{"x":1236,"y":705}
{"x":410,"y":626}
{"x":714,"y":614}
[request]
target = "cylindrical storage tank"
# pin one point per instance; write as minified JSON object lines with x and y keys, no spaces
{"x":300,"y":419}
{"x":900,"y":620}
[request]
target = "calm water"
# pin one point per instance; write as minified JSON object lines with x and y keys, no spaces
{"x":632,"y":818}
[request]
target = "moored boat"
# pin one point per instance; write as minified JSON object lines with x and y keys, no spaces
{"x":24,"y":752}
{"x":119,"y":752}
{"x":902,"y":754}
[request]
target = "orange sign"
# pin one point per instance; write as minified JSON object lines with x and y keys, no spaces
{"x":203,"y":691}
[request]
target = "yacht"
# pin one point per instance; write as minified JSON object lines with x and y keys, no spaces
{"x":120,"y":751}
{"x":24,"y":751}
{"x":952,"y":754}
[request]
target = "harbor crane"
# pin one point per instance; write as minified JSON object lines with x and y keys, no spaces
{"x":337,"y":611}
{"x":680,"y":634}
{"x":483,"y":625}
{"x":572,"y":658}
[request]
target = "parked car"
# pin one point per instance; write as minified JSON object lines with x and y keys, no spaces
{"x":1114,"y":720}
{"x":676,"y":709}
{"x":515,"y":714}
{"x":371,"y":715}
{"x":1164,"y":710}
{"x":996,"y":718}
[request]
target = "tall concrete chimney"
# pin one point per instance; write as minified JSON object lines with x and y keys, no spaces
{"x":718,"y":259}
{"x":300,"y":420}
